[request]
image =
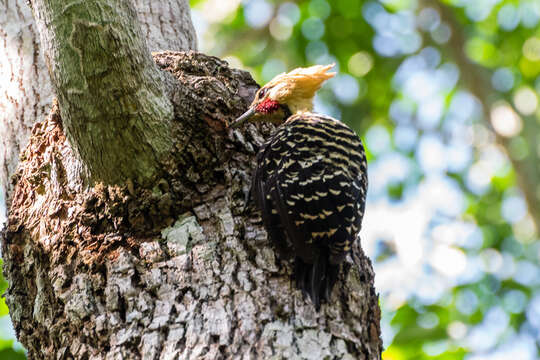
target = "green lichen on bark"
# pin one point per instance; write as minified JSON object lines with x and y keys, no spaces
{"x":183,"y":235}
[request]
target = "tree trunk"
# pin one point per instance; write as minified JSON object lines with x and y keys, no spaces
{"x":173,"y":271}
{"x":167,"y":265}
{"x":26,"y":90}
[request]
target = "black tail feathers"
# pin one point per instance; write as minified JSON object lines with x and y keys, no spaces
{"x":316,"y":280}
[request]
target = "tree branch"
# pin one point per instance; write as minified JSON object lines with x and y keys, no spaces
{"x":112,"y":97}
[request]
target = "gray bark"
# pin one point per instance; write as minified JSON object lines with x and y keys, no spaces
{"x":166,"y":25}
{"x":124,"y":267}
{"x":26,"y":90}
{"x":175,"y":271}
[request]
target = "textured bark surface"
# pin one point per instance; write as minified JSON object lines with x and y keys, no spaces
{"x":179,"y":270}
{"x":166,"y":24}
{"x":25,"y":87}
{"x":113,"y":100}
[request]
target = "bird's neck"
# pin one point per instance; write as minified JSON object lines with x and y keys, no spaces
{"x":300,"y":105}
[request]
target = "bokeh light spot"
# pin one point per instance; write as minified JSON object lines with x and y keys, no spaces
{"x":526,"y":101}
{"x":431,"y":56}
{"x":428,"y":19}
{"x":370,"y":10}
{"x":345,"y":88}
{"x":430,"y":154}
{"x":466,"y":302}
{"x":463,"y":105}
{"x":441,"y":34}
{"x":401,"y":111}
{"x":503,"y":79}
{"x":531,"y":49}
{"x":215,"y":11}
{"x":518,"y":148}
{"x":281,"y":28}
{"x":513,"y":209}
{"x":478,"y":10}
{"x":360,"y":63}
{"x":479,"y":177}
{"x":319,"y":8}
{"x":258,"y":13}
{"x":405,"y":137}
{"x":290,"y":11}
{"x":457,"y":330}
{"x":505,"y":121}
{"x":385,"y":45}
{"x":482,"y":51}
{"x":313,"y":28}
{"x":533,"y":311}
{"x":492,"y":260}
{"x":436,"y":348}
{"x":315,"y":50}
{"x":378,"y":139}
{"x":529,"y":13}
{"x":428,"y":320}
{"x":508,"y":17}
{"x":448,"y":260}
{"x":430,"y":112}
{"x":527,"y":274}
{"x":514,"y":301}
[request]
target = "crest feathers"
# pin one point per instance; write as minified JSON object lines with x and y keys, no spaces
{"x":299,"y":86}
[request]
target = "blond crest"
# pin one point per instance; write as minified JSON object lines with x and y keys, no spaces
{"x":298,"y":87}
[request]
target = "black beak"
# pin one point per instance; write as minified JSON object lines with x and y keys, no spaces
{"x":245,"y":116}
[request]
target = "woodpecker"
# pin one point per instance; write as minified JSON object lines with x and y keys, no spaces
{"x":310,"y":180}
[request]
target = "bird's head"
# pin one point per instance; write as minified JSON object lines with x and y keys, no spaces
{"x":286,"y":94}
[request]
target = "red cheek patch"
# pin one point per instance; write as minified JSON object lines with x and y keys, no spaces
{"x":267,"y":106}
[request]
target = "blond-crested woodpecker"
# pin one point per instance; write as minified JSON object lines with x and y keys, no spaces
{"x":310,"y":182}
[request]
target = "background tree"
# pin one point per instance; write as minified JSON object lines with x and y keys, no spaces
{"x":126,"y":235}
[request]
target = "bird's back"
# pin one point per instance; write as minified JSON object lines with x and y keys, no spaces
{"x":310,"y":184}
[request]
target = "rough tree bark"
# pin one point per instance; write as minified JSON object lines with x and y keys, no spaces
{"x":167,"y":264}
{"x":25,"y":87}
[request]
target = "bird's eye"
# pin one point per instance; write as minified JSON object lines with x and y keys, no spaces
{"x":262,"y":93}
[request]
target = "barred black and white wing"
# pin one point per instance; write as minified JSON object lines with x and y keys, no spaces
{"x":310,"y":184}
